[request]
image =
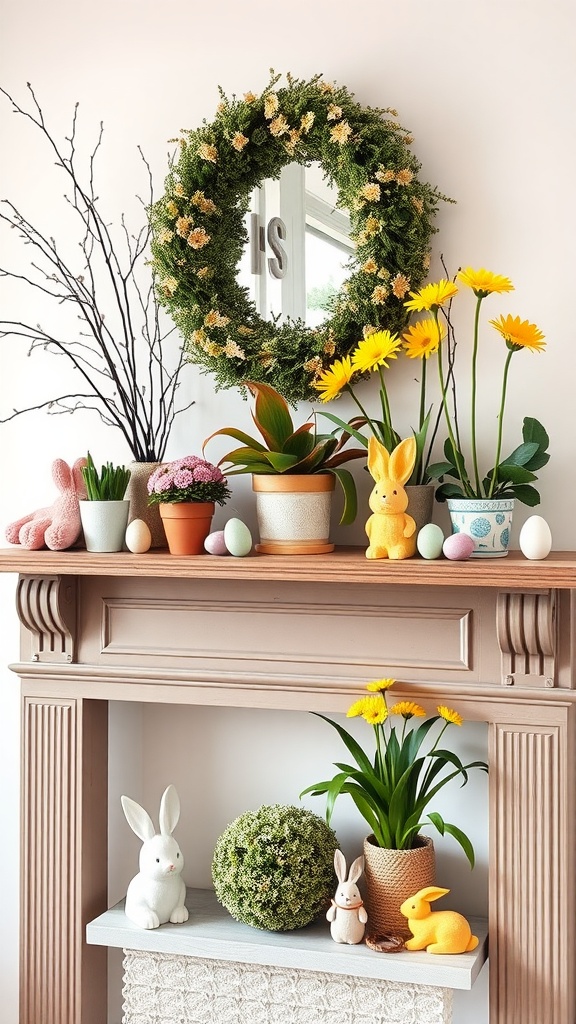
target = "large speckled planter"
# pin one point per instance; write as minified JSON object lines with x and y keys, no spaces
{"x":294,"y":513}
{"x":488,"y":522}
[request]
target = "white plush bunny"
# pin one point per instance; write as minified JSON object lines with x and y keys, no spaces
{"x":347,"y":915}
{"x":157,"y":893}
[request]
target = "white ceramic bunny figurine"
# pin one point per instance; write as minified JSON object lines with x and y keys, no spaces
{"x":157,"y":893}
{"x":347,"y":914}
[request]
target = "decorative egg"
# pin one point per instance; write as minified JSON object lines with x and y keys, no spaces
{"x":535,"y":538}
{"x":215,"y":543}
{"x":458,"y":546}
{"x":237,"y":538}
{"x":430,"y":540}
{"x":138,"y":537}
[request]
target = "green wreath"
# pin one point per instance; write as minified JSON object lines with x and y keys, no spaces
{"x":199,"y":232}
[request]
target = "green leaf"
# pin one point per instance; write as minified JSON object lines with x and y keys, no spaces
{"x":355,"y":749}
{"x":271,"y":415}
{"x":456,"y":834}
{"x":528,"y":495}
{"x":448,"y":491}
{"x":521,"y":455}
{"x":348,"y":485}
{"x":514,"y":473}
{"x":281,"y":463}
{"x":300,"y":443}
{"x":532,"y":430}
{"x":238,"y":435}
{"x":345,"y":426}
{"x":438,"y":469}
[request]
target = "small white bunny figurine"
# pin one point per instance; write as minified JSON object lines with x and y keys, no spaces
{"x":157,"y":893}
{"x":347,"y":914}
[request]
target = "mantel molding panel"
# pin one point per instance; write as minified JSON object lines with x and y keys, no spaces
{"x":498,"y":637}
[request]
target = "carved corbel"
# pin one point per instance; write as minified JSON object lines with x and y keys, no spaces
{"x":527,"y":636}
{"x":46,"y":607}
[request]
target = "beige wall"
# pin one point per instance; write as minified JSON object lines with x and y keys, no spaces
{"x":488,"y":92}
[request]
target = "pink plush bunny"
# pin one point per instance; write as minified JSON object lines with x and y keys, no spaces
{"x":58,"y":525}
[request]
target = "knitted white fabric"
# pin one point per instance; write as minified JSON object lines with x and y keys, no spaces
{"x":162,"y":988}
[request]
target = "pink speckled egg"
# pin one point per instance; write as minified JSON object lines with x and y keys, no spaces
{"x":458,"y":546}
{"x":214,"y":543}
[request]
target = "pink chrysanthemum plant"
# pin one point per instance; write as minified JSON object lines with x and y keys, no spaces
{"x":511,"y":476}
{"x":188,"y":479}
{"x":393,"y":786}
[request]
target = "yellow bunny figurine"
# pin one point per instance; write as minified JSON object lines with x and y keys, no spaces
{"x":392,"y":533}
{"x":444,"y":931}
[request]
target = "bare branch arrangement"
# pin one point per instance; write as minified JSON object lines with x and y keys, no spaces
{"x":118,"y":354}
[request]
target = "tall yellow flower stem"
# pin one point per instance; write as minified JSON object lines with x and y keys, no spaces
{"x":501,"y":419}
{"x":443,"y":390}
{"x":350,"y":391}
{"x":473,"y":397}
{"x":386,"y":414}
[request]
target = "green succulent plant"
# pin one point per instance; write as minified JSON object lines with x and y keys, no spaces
{"x":290,"y":450}
{"x":108,"y":485}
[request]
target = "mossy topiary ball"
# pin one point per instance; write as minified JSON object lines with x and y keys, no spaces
{"x":274,"y":868}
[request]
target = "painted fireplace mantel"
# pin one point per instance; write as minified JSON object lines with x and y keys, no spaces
{"x":296,"y":633}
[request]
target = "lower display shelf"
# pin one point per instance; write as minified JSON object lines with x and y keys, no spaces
{"x":211,"y":934}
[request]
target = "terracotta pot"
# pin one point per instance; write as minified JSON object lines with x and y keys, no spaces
{"x":187,"y":524}
{"x":294,"y":513}
{"x":137,"y":495}
{"x":391,"y":876}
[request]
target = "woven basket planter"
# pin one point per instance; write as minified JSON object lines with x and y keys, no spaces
{"x":391,"y":876}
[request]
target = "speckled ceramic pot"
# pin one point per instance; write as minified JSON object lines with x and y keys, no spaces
{"x":488,"y":522}
{"x":294,"y":513}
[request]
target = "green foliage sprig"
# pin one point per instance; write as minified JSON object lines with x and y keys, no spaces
{"x":274,"y":868}
{"x":108,"y":485}
{"x":288,"y":450}
{"x":392,"y":790}
{"x":199,"y":229}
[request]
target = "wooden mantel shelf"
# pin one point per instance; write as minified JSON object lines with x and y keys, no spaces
{"x":344,"y":565}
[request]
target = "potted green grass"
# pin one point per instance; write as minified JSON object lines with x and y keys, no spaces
{"x":104,"y":512}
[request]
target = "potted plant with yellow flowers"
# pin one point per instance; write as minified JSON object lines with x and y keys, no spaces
{"x":392,"y":787}
{"x":481,"y":504}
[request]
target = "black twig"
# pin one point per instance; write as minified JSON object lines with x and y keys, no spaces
{"x":119,"y":350}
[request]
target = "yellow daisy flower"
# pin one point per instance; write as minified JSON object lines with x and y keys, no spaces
{"x":519,"y":333}
{"x":423,"y":338}
{"x":449,"y":715}
{"x":484,"y":282}
{"x":431,"y":296}
{"x":373,"y":709}
{"x":378,"y":685}
{"x":374,"y":350}
{"x":408,"y":709}
{"x":332,"y":380}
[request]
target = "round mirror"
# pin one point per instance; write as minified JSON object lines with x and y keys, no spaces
{"x":199,"y":230}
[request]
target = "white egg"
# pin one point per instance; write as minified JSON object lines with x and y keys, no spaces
{"x":237,"y":538}
{"x":535,"y":538}
{"x":138,"y":537}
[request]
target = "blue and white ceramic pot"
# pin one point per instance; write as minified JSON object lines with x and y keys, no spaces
{"x":488,"y":522}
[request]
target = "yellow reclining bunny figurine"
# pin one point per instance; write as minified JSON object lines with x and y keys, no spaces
{"x":443,"y":931}
{"x":392,"y":533}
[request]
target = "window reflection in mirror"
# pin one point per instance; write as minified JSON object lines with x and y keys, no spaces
{"x":317,"y":245}
{"x":327,"y":245}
